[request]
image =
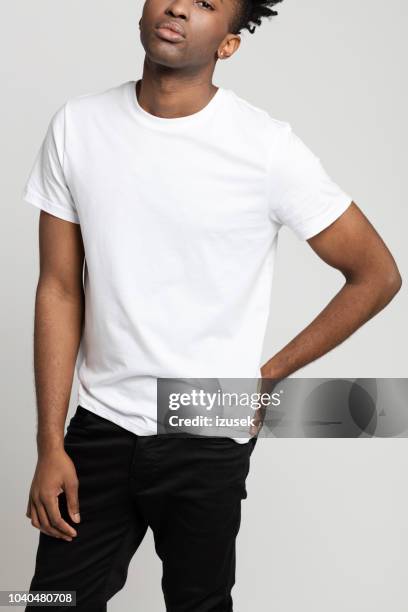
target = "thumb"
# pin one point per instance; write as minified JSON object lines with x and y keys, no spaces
{"x":71,"y":494}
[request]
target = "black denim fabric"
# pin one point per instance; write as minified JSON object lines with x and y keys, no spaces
{"x":188,"y":490}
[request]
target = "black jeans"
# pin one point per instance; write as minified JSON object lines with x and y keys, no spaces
{"x":188,"y":490}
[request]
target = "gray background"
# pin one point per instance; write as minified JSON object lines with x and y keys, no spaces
{"x":324,"y":526}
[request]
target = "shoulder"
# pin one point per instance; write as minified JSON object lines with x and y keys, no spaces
{"x":88,"y":106}
{"x":271,"y":133}
{"x":256,"y":114}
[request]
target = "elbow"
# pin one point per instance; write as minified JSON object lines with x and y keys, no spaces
{"x":392,"y":284}
{"x":380,"y":288}
{"x":396,"y":282}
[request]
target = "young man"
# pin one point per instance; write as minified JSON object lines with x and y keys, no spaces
{"x":171,"y":191}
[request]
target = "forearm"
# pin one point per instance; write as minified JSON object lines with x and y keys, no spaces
{"x":350,"y":308}
{"x":57,"y":335}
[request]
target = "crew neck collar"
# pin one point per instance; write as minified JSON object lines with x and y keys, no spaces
{"x":167,"y":122}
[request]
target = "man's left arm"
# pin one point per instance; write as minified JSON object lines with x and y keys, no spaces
{"x":352,"y":245}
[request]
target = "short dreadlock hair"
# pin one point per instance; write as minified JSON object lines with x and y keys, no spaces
{"x":251,"y":11}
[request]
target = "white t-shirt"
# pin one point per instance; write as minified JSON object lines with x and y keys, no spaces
{"x":179,"y":220}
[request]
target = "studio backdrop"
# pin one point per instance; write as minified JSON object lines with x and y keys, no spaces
{"x":324,"y":525}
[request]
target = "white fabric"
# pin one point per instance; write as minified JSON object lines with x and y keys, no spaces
{"x":179,"y":219}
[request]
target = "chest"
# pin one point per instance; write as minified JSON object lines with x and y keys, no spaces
{"x":198,"y":185}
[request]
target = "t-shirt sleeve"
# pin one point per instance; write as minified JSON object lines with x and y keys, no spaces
{"x":46,"y":186}
{"x":302,"y":195}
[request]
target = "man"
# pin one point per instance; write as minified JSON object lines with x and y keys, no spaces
{"x":169,"y":193}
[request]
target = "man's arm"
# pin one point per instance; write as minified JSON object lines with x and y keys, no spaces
{"x":352,"y":245}
{"x":59,"y":312}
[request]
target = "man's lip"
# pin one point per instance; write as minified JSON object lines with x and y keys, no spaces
{"x":169,"y":35}
{"x":173,"y":26}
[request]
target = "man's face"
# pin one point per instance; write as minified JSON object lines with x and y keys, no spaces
{"x":205,"y":27}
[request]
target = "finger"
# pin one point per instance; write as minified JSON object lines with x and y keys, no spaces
{"x":45,"y":524}
{"x":55,"y":518}
{"x":28,"y":510}
{"x":255,"y":428}
{"x":257,"y":419}
{"x":55,"y":534}
{"x":35,"y":521}
{"x":71,"y":493}
{"x":34,"y":516}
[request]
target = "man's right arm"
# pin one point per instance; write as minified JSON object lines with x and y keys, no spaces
{"x":59,"y":315}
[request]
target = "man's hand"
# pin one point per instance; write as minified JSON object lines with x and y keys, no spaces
{"x":266,"y":385}
{"x":55,"y":473}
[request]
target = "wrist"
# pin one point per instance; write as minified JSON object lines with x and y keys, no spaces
{"x":48,"y":444}
{"x":270,"y":370}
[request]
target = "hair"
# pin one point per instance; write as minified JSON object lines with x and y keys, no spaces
{"x":252,"y":11}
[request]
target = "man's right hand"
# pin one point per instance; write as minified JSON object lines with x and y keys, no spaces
{"x":55,"y":473}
